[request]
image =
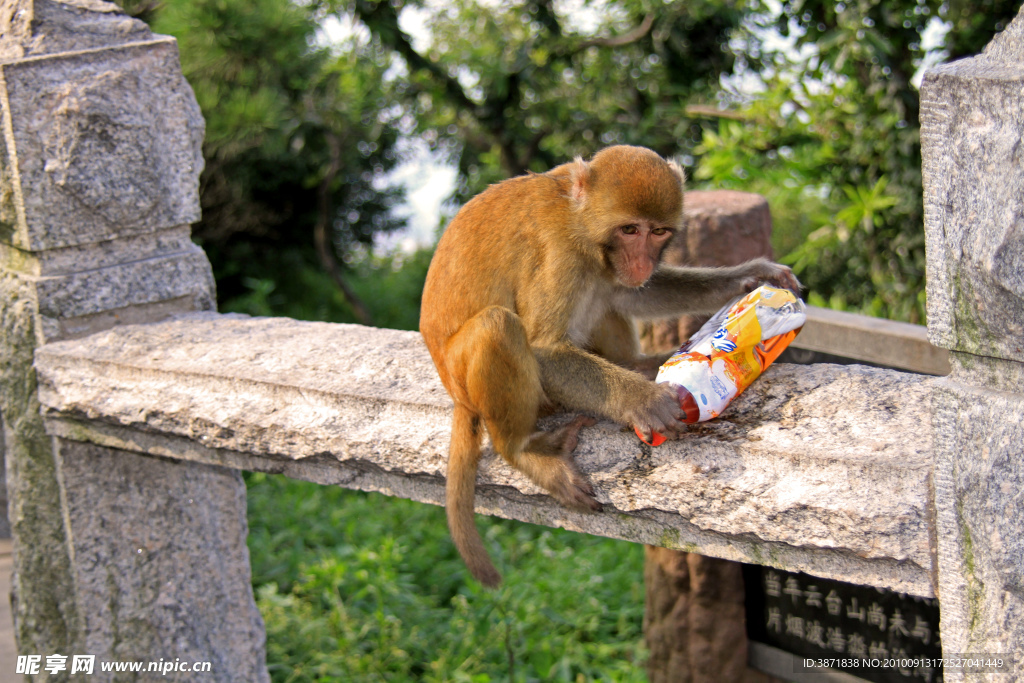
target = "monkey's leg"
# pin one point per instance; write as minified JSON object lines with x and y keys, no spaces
{"x":503,"y":383}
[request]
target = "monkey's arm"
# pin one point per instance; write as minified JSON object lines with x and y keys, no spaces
{"x":578,"y":380}
{"x":674,"y":291}
{"x":614,"y":339}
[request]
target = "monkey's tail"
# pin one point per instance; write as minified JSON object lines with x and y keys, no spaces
{"x":463,"y":460}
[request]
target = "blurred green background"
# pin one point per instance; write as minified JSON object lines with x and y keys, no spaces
{"x":313,"y":109}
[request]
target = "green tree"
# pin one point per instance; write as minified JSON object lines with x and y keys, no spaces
{"x":298,"y":139}
{"x":503,"y":89}
{"x":839,"y":127}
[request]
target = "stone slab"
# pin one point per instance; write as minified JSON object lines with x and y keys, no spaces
{"x":88,"y":257}
{"x":99,"y":144}
{"x":872,"y":340}
{"x":38,"y":27}
{"x":161,"y":566}
{"x":972,"y":117}
{"x":823,"y":469}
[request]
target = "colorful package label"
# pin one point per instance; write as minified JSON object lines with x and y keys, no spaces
{"x":734,"y":347}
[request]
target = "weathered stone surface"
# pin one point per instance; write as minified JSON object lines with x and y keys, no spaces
{"x":43,"y":603}
{"x":972,"y":122}
{"x":89,"y":257}
{"x":985,"y":371}
{"x":101,"y":144}
{"x":972,"y":126}
{"x":824,"y":469}
{"x":82,"y":289}
{"x":138,"y":282}
{"x":99,"y":170}
{"x":979,"y":476}
{"x":172,"y":582}
{"x":972,"y":115}
{"x":30,"y":28}
{"x":128,"y":284}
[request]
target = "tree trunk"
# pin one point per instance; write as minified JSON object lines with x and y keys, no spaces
{"x":694,"y":619}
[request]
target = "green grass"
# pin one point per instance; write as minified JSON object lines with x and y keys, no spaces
{"x":361,"y":587}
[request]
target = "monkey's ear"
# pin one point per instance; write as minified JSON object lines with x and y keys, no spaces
{"x":678,"y":170}
{"x":580,"y":179}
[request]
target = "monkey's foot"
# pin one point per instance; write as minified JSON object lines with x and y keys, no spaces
{"x":547,"y":460}
{"x":575,"y":492}
{"x":571,"y":432}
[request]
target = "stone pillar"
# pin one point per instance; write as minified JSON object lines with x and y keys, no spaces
{"x":972,"y":125}
{"x":115,"y":555}
{"x":694,"y":619}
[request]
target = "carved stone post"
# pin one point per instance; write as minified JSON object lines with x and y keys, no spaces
{"x":116,"y":555}
{"x":694,"y":621}
{"x":972,"y":125}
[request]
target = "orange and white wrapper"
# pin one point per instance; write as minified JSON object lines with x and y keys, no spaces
{"x":730,"y":351}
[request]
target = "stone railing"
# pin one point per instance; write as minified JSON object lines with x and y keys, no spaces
{"x":123,"y":445}
{"x":832,"y":334}
{"x":791,"y":477}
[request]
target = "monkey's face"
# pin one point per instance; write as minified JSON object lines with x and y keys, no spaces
{"x":634,"y":250}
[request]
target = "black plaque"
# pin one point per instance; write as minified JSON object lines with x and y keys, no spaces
{"x":823,"y":619}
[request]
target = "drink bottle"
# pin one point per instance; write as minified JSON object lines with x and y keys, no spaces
{"x":730,"y":351}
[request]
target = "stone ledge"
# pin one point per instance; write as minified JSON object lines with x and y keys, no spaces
{"x":825,"y":469}
{"x":872,"y":340}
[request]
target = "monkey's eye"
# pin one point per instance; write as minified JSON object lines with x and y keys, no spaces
{"x":661,"y":231}
{"x":629,"y":229}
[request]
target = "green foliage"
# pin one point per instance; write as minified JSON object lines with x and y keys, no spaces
{"x":773,"y":155}
{"x":361,"y":587}
{"x":284,"y":122}
{"x":390,"y":285}
{"x":508,"y":87}
{"x":840,"y":127}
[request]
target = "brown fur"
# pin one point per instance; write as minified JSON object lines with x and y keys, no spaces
{"x":530,"y":300}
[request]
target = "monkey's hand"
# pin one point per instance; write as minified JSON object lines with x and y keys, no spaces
{"x":657,"y":411}
{"x":774,"y":274}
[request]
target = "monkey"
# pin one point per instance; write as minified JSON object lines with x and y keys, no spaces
{"x":529,"y":304}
